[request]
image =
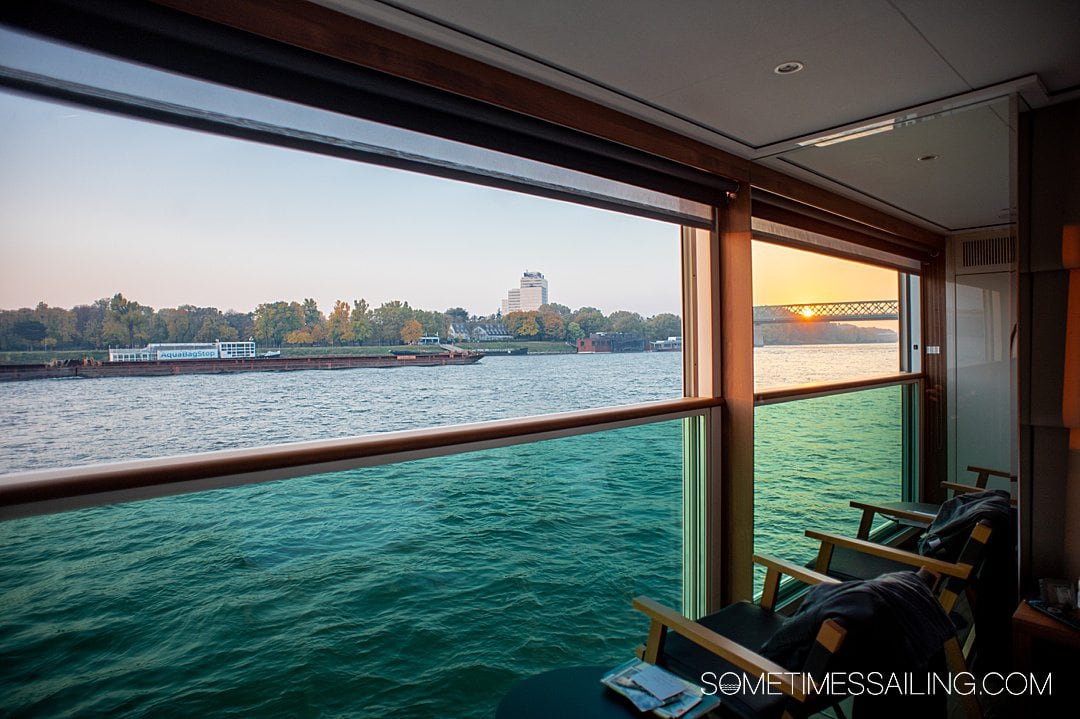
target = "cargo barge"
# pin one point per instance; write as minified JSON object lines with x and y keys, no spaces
{"x":160,"y":368}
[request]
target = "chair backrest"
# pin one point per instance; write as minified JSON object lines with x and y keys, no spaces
{"x":891,"y":623}
{"x":972,"y":555}
{"x":949,"y":531}
{"x":827,"y":643}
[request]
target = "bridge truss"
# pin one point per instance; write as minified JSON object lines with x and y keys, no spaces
{"x":828,"y":312}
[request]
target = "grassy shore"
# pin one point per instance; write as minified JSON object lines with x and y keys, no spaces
{"x":44,"y":356}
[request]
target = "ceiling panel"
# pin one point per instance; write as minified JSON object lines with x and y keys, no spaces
{"x":989,"y":41}
{"x":965,"y":186}
{"x":861,"y":70}
{"x":713,"y":62}
{"x":705,"y":68}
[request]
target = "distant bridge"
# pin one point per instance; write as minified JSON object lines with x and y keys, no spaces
{"x":828,"y":312}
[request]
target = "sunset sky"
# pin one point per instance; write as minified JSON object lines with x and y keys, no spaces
{"x":92,"y":204}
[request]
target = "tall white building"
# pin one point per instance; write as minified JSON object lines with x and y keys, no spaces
{"x":532,"y":293}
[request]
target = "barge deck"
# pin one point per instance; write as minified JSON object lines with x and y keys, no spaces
{"x":161,"y":368}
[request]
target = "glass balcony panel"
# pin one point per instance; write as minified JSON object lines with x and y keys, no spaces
{"x":398,"y":590}
{"x":813,"y":456}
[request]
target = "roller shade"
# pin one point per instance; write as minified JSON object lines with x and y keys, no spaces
{"x":780,"y":219}
{"x":182,"y":45}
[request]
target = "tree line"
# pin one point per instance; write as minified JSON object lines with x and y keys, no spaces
{"x":120,"y":322}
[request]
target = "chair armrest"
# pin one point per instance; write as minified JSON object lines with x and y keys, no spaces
{"x":961,"y":488}
{"x":795,"y":571}
{"x":991,"y":472}
{"x":776,"y":569}
{"x":961,"y":571}
{"x":747,"y":660}
{"x":910,"y":515}
{"x":968,"y":489}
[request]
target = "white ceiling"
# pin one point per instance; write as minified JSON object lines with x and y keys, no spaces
{"x":705,"y":68}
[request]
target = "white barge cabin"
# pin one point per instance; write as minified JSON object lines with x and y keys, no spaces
{"x":187,"y":351}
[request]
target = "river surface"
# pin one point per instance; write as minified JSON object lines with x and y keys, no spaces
{"x":418,"y":589}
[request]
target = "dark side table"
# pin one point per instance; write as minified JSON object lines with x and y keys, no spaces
{"x":1030,"y":626}
{"x":570,"y":693}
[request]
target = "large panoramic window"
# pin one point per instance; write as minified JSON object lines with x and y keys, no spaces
{"x":464,"y":367}
{"x":818,"y":321}
{"x":202,"y":285}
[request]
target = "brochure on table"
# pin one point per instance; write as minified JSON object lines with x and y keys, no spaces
{"x":654,"y":689}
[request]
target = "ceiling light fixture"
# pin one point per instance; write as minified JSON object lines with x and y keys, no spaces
{"x":928,"y":158}
{"x":788,"y":68}
{"x":853,"y":134}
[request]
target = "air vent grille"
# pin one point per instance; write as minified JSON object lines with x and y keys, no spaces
{"x":990,"y":251}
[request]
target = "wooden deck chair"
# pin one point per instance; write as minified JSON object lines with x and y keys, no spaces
{"x":733,"y":635}
{"x":847,"y":558}
{"x":726,"y":641}
{"x":862,"y":559}
{"x":919,"y":514}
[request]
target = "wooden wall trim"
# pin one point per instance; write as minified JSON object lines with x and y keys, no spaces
{"x":343,"y":37}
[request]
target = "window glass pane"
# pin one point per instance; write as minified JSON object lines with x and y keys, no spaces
{"x":813,"y":456}
{"x":821,"y":319}
{"x":175,"y":237}
{"x":390,"y":591}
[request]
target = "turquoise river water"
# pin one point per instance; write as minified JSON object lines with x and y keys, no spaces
{"x":417,"y":589}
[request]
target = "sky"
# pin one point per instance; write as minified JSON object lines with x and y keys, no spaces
{"x":783,"y":275}
{"x":92,"y":204}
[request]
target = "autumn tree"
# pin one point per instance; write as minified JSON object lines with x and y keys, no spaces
{"x":126,"y":322}
{"x":629,"y":322}
{"x":522,"y":324}
{"x":552,"y":325}
{"x":590,"y":320}
{"x":561,"y":310}
{"x":530,"y":328}
{"x":59,"y":324}
{"x":214,"y":327}
{"x":514,"y":321}
{"x":88,"y":322}
{"x":411,"y":332}
{"x":662,"y":326}
{"x":338,"y":328}
{"x":299,"y":337}
{"x":434,"y":323}
{"x":312,"y":317}
{"x":30,"y":330}
{"x":360,"y":321}
{"x":457,"y":315}
{"x":275,"y":320}
{"x":388,"y":319}
{"x":243,"y":323}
